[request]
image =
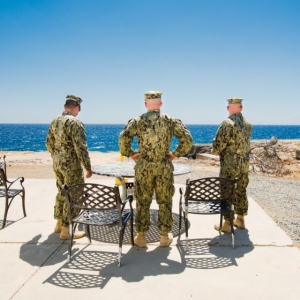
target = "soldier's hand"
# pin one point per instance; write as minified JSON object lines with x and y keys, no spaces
{"x":135,"y":156}
{"x":171,"y":155}
{"x":88,"y":173}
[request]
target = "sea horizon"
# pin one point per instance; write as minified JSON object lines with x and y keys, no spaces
{"x":104,"y":137}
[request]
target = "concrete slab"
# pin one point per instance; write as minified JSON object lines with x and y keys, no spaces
{"x":264,"y":264}
{"x":245,"y":273}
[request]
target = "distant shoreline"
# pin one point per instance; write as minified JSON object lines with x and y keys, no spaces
{"x":93,"y":151}
{"x":38,"y":164}
{"x":121,"y":124}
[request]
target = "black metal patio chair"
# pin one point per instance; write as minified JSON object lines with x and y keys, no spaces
{"x":9,"y":192}
{"x":210,"y":195}
{"x":98,"y":205}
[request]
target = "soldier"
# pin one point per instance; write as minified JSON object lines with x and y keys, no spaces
{"x":66,"y":141}
{"x":232,"y":143}
{"x":154,"y":168}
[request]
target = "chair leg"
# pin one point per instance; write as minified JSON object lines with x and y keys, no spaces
{"x":121,"y":235}
{"x":88,"y":232}
{"x":23,"y":204}
{"x":131,"y":230}
{"x":180,"y":215}
{"x":232,"y":229}
{"x":71,"y":233}
{"x":186,"y":225}
{"x":5,"y":212}
{"x":119,"y":257}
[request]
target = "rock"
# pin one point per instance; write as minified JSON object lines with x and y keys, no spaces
{"x":283,"y":157}
{"x":198,"y":148}
{"x":297,"y":154}
{"x":206,"y":156}
{"x":286,"y":171}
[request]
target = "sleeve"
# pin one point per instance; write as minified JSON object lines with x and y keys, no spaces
{"x":50,"y":141}
{"x":221,"y":139}
{"x":126,"y":136}
{"x":80,"y":145}
{"x":184,"y":137}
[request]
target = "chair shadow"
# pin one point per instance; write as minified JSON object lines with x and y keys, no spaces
{"x":207,"y":253}
{"x":111,"y":234}
{"x":94,"y":269}
{"x":37,"y":254}
{"x":9,"y":222}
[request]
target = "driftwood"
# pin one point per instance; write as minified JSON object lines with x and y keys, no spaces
{"x":198,"y":148}
{"x":264,"y":158}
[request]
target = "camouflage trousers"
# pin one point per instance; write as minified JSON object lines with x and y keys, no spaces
{"x":241,"y":199}
{"x":150,"y":177}
{"x":68,"y":177}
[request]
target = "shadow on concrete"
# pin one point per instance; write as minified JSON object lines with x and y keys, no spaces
{"x":38,"y":254}
{"x":214,"y":253}
{"x":90,"y":269}
{"x":9,"y":222}
{"x":111,"y":234}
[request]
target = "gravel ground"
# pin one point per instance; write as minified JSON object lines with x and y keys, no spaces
{"x":279,"y":197}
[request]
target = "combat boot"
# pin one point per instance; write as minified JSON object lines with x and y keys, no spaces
{"x":64,"y":234}
{"x":239,"y":222}
{"x":225,"y":228}
{"x":57,"y":227}
{"x":140,"y":240}
{"x":165,"y":239}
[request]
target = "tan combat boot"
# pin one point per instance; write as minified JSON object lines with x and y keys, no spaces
{"x":165,"y":239}
{"x":64,"y":234}
{"x":57,"y":227}
{"x":140,"y":240}
{"x":225,"y":228}
{"x":239,"y":222}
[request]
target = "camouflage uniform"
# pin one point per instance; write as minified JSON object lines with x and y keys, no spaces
{"x":66,"y":141}
{"x":232,"y":143}
{"x":154,"y":169}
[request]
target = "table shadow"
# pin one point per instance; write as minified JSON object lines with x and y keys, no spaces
{"x":111,"y":234}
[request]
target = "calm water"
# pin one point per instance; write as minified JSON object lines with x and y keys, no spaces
{"x":104,"y":137}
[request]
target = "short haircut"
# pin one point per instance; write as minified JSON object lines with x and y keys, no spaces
{"x":71,"y":103}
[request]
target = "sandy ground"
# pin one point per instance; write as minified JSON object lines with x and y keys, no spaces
{"x":39,"y":164}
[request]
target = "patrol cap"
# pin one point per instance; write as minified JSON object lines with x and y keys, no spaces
{"x":153,"y":95}
{"x":73,"y":98}
{"x":235,"y":101}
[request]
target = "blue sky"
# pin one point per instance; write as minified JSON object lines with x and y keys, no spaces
{"x":109,"y":52}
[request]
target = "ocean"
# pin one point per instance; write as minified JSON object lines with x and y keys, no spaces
{"x":104,"y":137}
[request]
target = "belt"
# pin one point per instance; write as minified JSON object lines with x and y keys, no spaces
{"x":152,"y":160}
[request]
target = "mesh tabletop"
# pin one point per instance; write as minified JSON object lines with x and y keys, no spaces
{"x":126,"y":169}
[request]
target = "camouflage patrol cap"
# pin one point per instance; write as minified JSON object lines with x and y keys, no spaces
{"x":73,"y":98}
{"x":153,"y":95}
{"x":235,"y":101}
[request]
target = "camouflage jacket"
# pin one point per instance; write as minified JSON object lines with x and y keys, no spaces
{"x":233,"y":137}
{"x":154,"y":131}
{"x":66,"y":141}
